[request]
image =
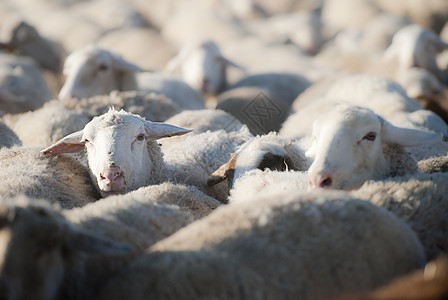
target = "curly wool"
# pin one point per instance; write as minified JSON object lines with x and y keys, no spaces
{"x":420,"y":199}
{"x":59,"y":179}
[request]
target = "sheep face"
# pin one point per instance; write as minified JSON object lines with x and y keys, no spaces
{"x":117,"y":149}
{"x":37,"y":245}
{"x":203,"y":67}
{"x":348,"y":145}
{"x":92,"y":71}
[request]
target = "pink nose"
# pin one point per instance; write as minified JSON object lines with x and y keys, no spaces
{"x":321,"y":181}
{"x":112,"y":179}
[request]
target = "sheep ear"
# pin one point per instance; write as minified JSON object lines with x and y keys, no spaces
{"x":120,"y":64}
{"x":92,"y":243}
{"x":226,"y":171}
{"x":69,"y":144}
{"x":408,"y":137}
{"x":156,"y":130}
{"x":231,"y":63}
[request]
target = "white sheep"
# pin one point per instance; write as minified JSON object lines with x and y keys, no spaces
{"x":22,"y":83}
{"x":44,"y":256}
{"x":8,"y":137}
{"x":276,"y":246}
{"x":59,"y":179}
{"x":142,"y":217}
{"x":94,"y":71}
{"x":123,"y":154}
{"x":351,"y":144}
{"x":202,"y":65}
{"x":415,"y":46}
{"x":269,"y":151}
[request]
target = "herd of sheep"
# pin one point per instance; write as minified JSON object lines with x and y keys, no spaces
{"x":207,"y":149}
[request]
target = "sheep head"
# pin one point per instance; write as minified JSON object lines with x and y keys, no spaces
{"x":117,"y":145}
{"x":348,"y":146}
{"x":92,"y":71}
{"x":202,"y":66}
{"x":37,"y":246}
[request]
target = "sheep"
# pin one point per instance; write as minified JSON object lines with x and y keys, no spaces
{"x":94,"y":71}
{"x":44,"y":256}
{"x":59,"y":179}
{"x":202,"y":65}
{"x":200,"y":121}
{"x":415,"y":46}
{"x":25,"y":40}
{"x":8,"y":137}
{"x":112,"y":169}
{"x":142,"y":217}
{"x":286,"y":246}
{"x":420,"y":200}
{"x":269,"y":151}
{"x":24,"y":84}
{"x":351,"y":144}
{"x":123,"y":154}
{"x":262,"y":101}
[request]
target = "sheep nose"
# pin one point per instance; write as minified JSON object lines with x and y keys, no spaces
{"x":112,"y":174}
{"x":321,"y":181}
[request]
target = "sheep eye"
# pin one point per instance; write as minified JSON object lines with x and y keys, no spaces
{"x":85,"y":141}
{"x":102,"y":67}
{"x":370,"y":136}
{"x":140,"y":137}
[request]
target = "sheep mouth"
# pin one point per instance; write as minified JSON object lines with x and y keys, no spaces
{"x":115,"y":186}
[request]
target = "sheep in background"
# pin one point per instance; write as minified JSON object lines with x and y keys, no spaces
{"x":25,"y":40}
{"x":269,"y":151}
{"x":290,"y":246}
{"x":415,"y":46}
{"x":44,"y":256}
{"x":22,"y":85}
{"x":8,"y":137}
{"x":58,"y":179}
{"x":93,"y":71}
{"x":141,"y":218}
{"x":202,"y":65}
{"x":351,"y":144}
